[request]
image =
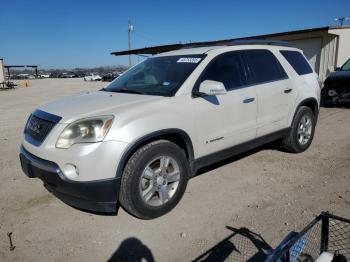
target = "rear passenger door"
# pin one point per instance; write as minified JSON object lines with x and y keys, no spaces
{"x":273,"y":88}
{"x":225,"y":120}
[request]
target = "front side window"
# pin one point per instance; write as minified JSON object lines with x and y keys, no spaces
{"x":263,"y":67}
{"x":297,"y":61}
{"x":346,"y":66}
{"x":161,"y":76}
{"x":227,"y":69}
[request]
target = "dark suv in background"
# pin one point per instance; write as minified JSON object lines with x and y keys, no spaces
{"x":336,"y":90}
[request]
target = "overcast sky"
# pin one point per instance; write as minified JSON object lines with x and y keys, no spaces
{"x":67,"y":34}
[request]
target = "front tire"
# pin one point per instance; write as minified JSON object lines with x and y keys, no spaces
{"x":154,"y":179}
{"x":302,"y":131}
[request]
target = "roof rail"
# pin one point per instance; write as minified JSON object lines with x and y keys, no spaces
{"x":259,"y":42}
{"x":238,"y":42}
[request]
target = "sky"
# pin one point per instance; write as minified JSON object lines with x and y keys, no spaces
{"x":77,"y":33}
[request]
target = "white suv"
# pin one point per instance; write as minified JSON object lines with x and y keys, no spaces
{"x":138,"y":140}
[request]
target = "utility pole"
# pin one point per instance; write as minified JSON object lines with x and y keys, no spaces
{"x":130,"y":28}
{"x":341,"y":20}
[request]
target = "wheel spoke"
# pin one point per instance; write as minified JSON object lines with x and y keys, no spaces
{"x":304,"y":119}
{"x":305,"y":139}
{"x":148,"y":193}
{"x":148,"y":173}
{"x":309,"y":124}
{"x":163,"y":194}
{"x":173,"y":177}
{"x":301,"y":138}
{"x":164,"y":163}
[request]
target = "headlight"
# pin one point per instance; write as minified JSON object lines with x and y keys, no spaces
{"x":87,"y":130}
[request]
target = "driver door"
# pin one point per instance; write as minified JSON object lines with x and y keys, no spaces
{"x":223,"y":121}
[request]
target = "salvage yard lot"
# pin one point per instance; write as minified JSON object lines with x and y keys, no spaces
{"x":267,"y":191}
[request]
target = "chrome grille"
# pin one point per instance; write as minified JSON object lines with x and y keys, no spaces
{"x":37,"y":128}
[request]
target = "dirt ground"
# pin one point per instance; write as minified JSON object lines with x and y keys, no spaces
{"x":265,"y":192}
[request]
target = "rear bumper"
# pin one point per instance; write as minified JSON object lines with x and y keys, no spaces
{"x":97,"y":196}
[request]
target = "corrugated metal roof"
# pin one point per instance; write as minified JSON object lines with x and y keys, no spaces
{"x":291,"y":32}
{"x":165,"y":48}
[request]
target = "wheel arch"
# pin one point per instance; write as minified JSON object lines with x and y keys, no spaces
{"x":309,"y":102}
{"x":177,"y":136}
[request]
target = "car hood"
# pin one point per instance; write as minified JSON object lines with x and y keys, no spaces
{"x":89,"y":104}
{"x":339,"y":75}
{"x":338,"y":79}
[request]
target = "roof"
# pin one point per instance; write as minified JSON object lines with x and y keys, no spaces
{"x":9,"y":66}
{"x":291,"y":32}
{"x":166,"y":48}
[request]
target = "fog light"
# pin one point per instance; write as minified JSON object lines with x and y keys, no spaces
{"x":70,"y":171}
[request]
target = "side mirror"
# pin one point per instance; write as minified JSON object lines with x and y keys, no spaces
{"x":337,"y":69}
{"x":211,"y":88}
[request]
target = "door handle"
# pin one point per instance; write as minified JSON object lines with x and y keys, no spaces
{"x":248,"y":100}
{"x":287,"y":90}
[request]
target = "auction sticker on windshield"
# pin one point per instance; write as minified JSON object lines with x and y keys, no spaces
{"x":194,"y":60}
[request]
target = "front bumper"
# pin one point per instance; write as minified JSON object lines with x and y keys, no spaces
{"x":97,"y":196}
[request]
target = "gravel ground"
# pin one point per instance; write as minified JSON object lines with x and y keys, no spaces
{"x":265,"y":192}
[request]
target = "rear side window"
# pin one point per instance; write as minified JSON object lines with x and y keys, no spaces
{"x":227,"y":69}
{"x":297,"y":61}
{"x":263,"y":66}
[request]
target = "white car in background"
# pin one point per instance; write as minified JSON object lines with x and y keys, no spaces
{"x":45,"y":76}
{"x":92,"y":77}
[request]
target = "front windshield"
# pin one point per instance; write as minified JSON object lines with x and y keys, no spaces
{"x":161,"y":76}
{"x":346,"y":66}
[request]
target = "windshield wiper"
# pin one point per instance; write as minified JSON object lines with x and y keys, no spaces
{"x":125,"y":90}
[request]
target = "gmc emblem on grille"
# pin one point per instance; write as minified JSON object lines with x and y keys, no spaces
{"x":34,"y":126}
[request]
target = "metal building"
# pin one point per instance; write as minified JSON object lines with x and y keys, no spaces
{"x":326,"y":47}
{"x":2,"y":72}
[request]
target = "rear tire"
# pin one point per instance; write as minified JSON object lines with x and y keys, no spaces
{"x":302,"y":131}
{"x":154,"y":179}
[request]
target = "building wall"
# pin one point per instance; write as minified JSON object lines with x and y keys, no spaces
{"x":328,"y":56}
{"x":343,"y":45}
{"x":2,"y":75}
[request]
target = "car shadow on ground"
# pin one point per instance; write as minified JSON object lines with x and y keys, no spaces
{"x":345,"y":106}
{"x":241,"y":245}
{"x":132,"y":249}
{"x":106,"y":214}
